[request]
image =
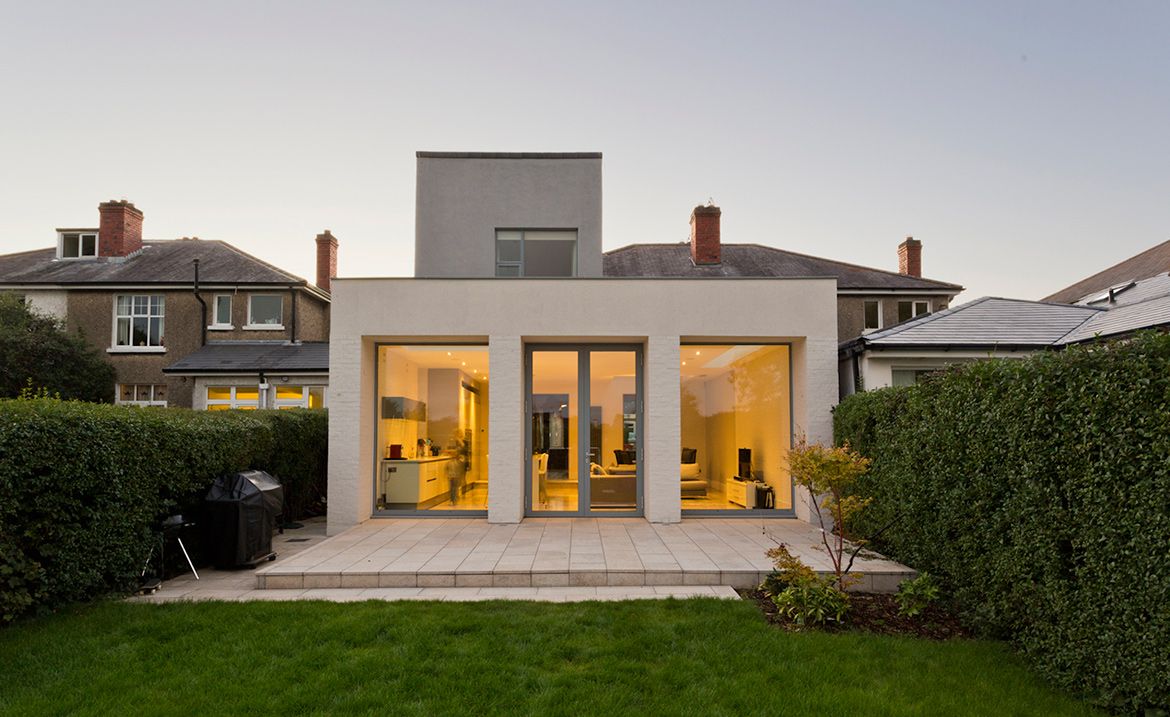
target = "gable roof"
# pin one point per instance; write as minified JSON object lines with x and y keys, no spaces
{"x":757,"y":260}
{"x":1150,"y":262}
{"x":159,"y":262}
{"x":986,"y":322}
{"x":254,"y":356}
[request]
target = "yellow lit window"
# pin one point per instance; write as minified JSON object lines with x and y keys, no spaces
{"x":219,"y":393}
{"x":290,"y":393}
{"x":247,"y":393}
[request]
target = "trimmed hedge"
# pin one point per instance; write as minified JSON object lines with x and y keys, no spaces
{"x":1038,"y":491}
{"x":82,"y":486}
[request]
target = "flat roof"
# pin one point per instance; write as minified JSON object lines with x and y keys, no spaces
{"x":508,"y":155}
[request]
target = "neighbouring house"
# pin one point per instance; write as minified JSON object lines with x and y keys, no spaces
{"x":1149,"y":263}
{"x":524,"y":372}
{"x":1001,"y":328}
{"x":185,"y":322}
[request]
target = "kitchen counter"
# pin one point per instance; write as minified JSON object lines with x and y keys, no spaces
{"x":428,"y":459}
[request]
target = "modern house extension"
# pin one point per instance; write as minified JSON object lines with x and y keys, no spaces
{"x":524,"y":372}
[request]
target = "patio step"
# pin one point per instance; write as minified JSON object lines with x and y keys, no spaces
{"x":192,"y":592}
{"x":538,"y":553}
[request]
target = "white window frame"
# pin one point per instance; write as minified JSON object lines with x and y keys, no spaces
{"x":151,"y":401}
{"x":519,"y":263}
{"x":215,"y":324}
{"x":232,"y":401}
{"x":881,"y":319}
{"x":252,"y":326}
{"x":914,"y":313}
{"x":81,"y":234}
{"x":159,"y":348}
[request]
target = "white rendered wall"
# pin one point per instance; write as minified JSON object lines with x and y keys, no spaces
{"x":877,"y":367}
{"x":460,"y":202}
{"x":48,"y":303}
{"x":507,"y":314}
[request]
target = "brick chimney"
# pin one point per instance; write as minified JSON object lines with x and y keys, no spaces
{"x":120,"y":230}
{"x":705,"y":235}
{"x":910,"y":257}
{"x":326,"y":259}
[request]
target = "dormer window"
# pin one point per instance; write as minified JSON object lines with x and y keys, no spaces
{"x":77,"y":245}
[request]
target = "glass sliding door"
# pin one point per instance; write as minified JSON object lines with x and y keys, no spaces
{"x":553,"y":429}
{"x":584,"y":431}
{"x":614,"y":436}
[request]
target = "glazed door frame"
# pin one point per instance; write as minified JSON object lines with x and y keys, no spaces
{"x":582,"y":434}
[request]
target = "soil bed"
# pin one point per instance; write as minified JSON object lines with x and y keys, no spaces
{"x":875,"y":613}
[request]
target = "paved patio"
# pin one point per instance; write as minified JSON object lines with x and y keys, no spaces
{"x":539,"y":553}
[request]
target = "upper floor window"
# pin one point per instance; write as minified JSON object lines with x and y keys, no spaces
{"x":909,"y":309}
{"x":873,"y":314}
{"x":265,"y":311}
{"x":536,"y":252}
{"x":138,"y":321}
{"x":222,"y":312}
{"x":77,"y":245}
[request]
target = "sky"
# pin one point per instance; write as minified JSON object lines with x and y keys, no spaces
{"x":1024,"y":143}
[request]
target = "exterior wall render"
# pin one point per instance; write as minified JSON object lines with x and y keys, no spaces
{"x":460,"y":202}
{"x":507,"y":314}
{"x":877,"y":367}
{"x":48,"y":303}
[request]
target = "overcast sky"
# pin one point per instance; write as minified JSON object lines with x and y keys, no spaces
{"x":1025,"y":143}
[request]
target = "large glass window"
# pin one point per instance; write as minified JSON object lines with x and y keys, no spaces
{"x":736,"y":427}
{"x":536,"y":252}
{"x":138,"y":321}
{"x":432,"y":428}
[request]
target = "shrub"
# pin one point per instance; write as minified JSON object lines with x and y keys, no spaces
{"x":832,"y":473}
{"x":1036,"y":491}
{"x":813,"y":602}
{"x":801,"y":595}
{"x":82,"y":486}
{"x":916,"y":594}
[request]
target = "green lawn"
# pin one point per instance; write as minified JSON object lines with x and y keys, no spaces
{"x":700,"y":657}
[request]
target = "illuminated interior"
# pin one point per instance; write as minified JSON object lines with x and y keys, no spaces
{"x":432,"y":428}
{"x":736,"y":427}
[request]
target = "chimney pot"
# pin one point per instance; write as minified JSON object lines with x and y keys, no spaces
{"x":910,"y":257}
{"x":705,"y":242}
{"x":120,"y":228}
{"x":326,"y":259}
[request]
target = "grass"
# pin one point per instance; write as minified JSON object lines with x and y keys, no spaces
{"x":699,"y":657}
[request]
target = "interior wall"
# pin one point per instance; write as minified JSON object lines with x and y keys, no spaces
{"x":398,"y":376}
{"x":694,"y":423}
{"x":762,"y":420}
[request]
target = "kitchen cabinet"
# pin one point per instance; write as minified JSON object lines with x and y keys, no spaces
{"x":414,"y":483}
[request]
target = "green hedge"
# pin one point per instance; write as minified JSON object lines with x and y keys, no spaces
{"x":83,"y":485}
{"x":1038,"y":490}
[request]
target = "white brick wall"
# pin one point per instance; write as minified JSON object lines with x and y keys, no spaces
{"x":505,"y":433}
{"x":662,"y":430}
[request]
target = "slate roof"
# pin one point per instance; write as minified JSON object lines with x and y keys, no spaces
{"x":992,"y":322}
{"x":989,"y":321}
{"x":254,"y":356}
{"x":756,"y":260}
{"x":159,"y":262}
{"x":1124,"y":318}
{"x":1150,"y":262}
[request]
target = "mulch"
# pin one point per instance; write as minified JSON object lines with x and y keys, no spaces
{"x":875,"y":613}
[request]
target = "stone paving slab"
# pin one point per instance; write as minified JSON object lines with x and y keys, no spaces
{"x":447,"y":594}
{"x":568,"y":552}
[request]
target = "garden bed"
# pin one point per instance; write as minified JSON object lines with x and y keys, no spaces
{"x":876,"y":613}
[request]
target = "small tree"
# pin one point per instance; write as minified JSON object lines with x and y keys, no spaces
{"x":830,"y":474}
{"x":36,"y":352}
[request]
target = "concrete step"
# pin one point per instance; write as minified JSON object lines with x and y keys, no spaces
{"x":192,"y":591}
